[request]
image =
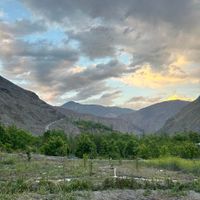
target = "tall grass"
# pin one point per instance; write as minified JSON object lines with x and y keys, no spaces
{"x":176,"y":164}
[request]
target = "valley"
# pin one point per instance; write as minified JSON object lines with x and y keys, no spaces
{"x":99,"y":100}
{"x":26,"y":110}
{"x":85,"y":152}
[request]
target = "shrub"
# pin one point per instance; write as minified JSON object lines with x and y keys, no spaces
{"x":55,"y":146}
{"x":120,"y":183}
{"x":175,"y":163}
{"x":12,"y":187}
{"x":76,"y":185}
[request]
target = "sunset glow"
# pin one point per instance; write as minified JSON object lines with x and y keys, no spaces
{"x":86,"y":51}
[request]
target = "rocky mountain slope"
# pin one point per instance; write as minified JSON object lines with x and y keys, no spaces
{"x":188,"y":119}
{"x":153,"y":117}
{"x":114,"y":123}
{"x":97,"y":110}
{"x":24,"y":108}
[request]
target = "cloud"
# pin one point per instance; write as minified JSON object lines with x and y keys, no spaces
{"x":51,"y":69}
{"x":150,"y":30}
{"x":138,"y":102}
{"x":90,"y":81}
{"x":23,"y":27}
{"x":106,"y":98}
{"x":177,"y":73}
{"x":96,"y":42}
{"x":144,"y":99}
{"x":179,"y":97}
{"x":87,"y":92}
{"x":161,"y":37}
{"x":2,"y":13}
{"x":173,"y":11}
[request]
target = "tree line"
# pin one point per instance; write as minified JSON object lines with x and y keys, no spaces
{"x":106,"y":143}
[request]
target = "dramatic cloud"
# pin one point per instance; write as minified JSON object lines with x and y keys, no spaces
{"x":138,"y":102}
{"x":23,"y":27}
{"x":90,"y":81}
{"x":176,"y":73}
{"x":96,"y":42}
{"x":72,"y":50}
{"x":177,"y":12}
{"x":107,"y":98}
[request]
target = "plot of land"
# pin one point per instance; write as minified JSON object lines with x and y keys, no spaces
{"x":61,"y":178}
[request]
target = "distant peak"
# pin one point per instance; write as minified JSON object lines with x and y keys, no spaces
{"x":70,"y":102}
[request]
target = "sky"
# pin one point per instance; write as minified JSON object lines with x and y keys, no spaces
{"x":128,"y":53}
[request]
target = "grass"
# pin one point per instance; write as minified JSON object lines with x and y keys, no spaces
{"x":176,"y":164}
{"x":49,"y":176}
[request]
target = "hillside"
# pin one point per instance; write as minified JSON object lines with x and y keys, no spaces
{"x":114,"y":123}
{"x":188,"y":119}
{"x":153,"y":117}
{"x":97,"y":110}
{"x":24,"y":108}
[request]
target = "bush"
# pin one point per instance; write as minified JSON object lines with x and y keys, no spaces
{"x":55,"y":146}
{"x":76,"y":185}
{"x":12,"y":187}
{"x":85,"y":146}
{"x":176,"y":163}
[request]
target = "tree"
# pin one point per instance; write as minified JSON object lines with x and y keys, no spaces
{"x":3,"y":135}
{"x":18,"y":138}
{"x":113,"y":150}
{"x":85,"y":146}
{"x":55,"y":146}
{"x":131,"y":149}
{"x":143,"y":151}
{"x":189,"y":150}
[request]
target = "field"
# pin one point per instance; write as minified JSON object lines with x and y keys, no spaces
{"x":48,"y":177}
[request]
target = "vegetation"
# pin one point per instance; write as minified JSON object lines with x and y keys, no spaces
{"x":59,"y":177}
{"x":107,"y":144}
{"x":175,"y":163}
{"x":18,"y":175}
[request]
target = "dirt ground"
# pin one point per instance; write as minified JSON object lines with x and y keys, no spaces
{"x":110,"y":195}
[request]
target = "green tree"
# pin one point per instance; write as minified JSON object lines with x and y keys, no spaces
{"x":189,"y":150}
{"x":143,"y":151}
{"x":55,"y":146}
{"x":113,"y":150}
{"x":85,"y":146}
{"x":18,"y":138}
{"x":3,"y":137}
{"x":131,"y":149}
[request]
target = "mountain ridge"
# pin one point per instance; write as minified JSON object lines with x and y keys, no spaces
{"x":97,"y":110}
{"x":24,"y":108}
{"x":152,"y":118}
{"x":188,"y":119}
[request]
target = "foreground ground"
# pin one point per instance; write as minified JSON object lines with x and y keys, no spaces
{"x":108,"y":195}
{"x":61,"y":178}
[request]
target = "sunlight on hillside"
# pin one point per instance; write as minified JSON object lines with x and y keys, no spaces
{"x":178,"y":97}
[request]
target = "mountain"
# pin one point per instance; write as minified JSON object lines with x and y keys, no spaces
{"x":24,"y":108}
{"x":188,"y":119}
{"x":117,"y":124}
{"x":97,"y":110}
{"x":153,"y":117}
